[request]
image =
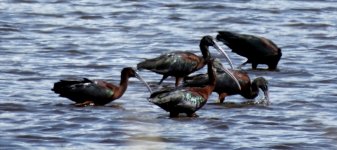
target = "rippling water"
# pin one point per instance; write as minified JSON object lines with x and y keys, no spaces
{"x":42,"y":42}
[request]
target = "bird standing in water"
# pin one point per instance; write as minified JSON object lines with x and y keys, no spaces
{"x":180,"y":64}
{"x":185,"y":99}
{"x":258,"y":50}
{"x":226,"y":86}
{"x":94,"y":92}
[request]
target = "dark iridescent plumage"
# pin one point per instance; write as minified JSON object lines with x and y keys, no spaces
{"x":180,"y":64}
{"x":258,"y":50}
{"x":226,"y":86}
{"x":97,"y":92}
{"x":185,"y":99}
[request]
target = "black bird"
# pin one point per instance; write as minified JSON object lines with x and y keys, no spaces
{"x":258,"y":50}
{"x":94,"y":92}
{"x":226,"y":86}
{"x":185,"y":99}
{"x":180,"y":64}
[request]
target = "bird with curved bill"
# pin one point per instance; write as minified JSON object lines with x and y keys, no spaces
{"x":257,"y":50}
{"x":181,"y":63}
{"x":226,"y":86}
{"x":186,"y":99}
{"x":95,"y":92}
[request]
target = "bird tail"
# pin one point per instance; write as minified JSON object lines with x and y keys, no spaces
{"x":144,"y":65}
{"x":147,"y":64}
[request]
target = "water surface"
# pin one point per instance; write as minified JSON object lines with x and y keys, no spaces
{"x":43,"y":42}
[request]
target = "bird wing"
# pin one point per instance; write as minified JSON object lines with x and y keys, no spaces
{"x":191,"y":102}
{"x":84,"y":90}
{"x":159,"y":64}
{"x":180,"y":100}
{"x":249,"y":45}
{"x":261,"y":45}
{"x":171,"y":62}
{"x":165,"y":96}
{"x":271,"y":45}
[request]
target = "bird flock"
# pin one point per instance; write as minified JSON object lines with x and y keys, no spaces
{"x":190,"y":93}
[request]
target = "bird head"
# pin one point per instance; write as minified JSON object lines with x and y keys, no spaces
{"x":262,"y":84}
{"x":131,"y":72}
{"x":209,"y":41}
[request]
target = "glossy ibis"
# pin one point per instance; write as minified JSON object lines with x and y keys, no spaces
{"x":257,"y":50}
{"x":226,"y":86}
{"x":185,"y":99}
{"x":180,"y":64}
{"x":94,"y":92}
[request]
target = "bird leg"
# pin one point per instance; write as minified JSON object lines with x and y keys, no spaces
{"x":240,"y":66}
{"x":272,"y":66}
{"x":192,"y":115}
{"x":86,"y":103}
{"x":222,"y":97}
{"x":254,"y":66}
{"x":178,"y":79}
{"x":162,"y":79}
{"x":174,"y":114}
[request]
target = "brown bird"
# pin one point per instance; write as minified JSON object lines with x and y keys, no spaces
{"x":180,"y":64}
{"x":185,"y":99}
{"x":226,"y":86}
{"x":94,"y":92}
{"x":258,"y":50}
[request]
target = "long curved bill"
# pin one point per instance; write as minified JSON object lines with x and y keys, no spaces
{"x":266,"y":97}
{"x":232,"y":76}
{"x":141,"y":79}
{"x":217,"y":47}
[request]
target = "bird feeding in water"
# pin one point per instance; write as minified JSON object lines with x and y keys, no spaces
{"x":257,"y":50}
{"x":180,"y":64}
{"x":186,"y":99}
{"x":226,"y":86}
{"x":94,"y":92}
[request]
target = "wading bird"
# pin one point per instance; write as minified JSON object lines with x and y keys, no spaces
{"x":185,"y":99}
{"x":94,"y":92}
{"x":257,"y":50}
{"x":226,"y":86}
{"x":180,"y":64}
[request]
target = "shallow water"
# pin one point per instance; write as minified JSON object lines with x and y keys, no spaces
{"x":42,"y":42}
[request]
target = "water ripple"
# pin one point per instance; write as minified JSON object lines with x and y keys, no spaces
{"x":45,"y":41}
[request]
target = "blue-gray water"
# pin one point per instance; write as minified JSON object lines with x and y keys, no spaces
{"x":42,"y":42}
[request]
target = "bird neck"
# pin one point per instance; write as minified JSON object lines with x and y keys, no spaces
{"x":204,"y":50}
{"x":204,"y":92}
{"x":123,"y":84}
{"x":211,"y":75}
{"x":201,"y":64}
{"x":208,"y":89}
{"x":254,"y":90}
